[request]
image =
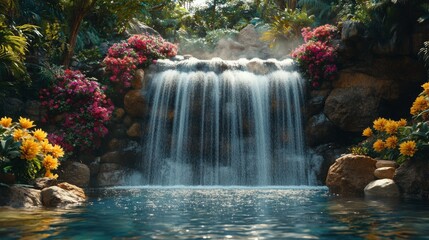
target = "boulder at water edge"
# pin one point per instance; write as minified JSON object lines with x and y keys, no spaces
{"x":76,"y":173}
{"x":382,"y":188}
{"x":349,"y":175}
{"x":19,"y":197}
{"x":56,"y":196}
{"x":412,"y":178}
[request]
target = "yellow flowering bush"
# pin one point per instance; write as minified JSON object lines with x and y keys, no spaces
{"x":27,"y":153}
{"x":395,"y":140}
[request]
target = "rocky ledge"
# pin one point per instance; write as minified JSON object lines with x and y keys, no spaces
{"x":45,"y":192}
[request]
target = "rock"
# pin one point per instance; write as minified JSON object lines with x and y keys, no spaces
{"x":118,"y":114}
{"x":248,"y":36}
{"x":109,"y":167}
{"x":19,"y":197}
{"x":315,"y":104}
{"x":412,"y":179}
{"x":134,"y":130}
{"x":384,"y":172}
{"x":76,"y":173}
{"x":342,"y":110}
{"x":119,"y":131}
{"x":113,"y":178}
{"x":115,"y":144}
{"x":94,"y":166}
{"x":128,"y":121}
{"x":138,"y":80}
{"x":382,"y":188}
{"x":329,"y":152}
{"x":319,"y":130}
{"x":386,"y":163}
{"x":58,"y":197}
{"x":40,"y":183}
{"x":134,"y":103}
{"x":73,"y":189}
{"x":349,"y":175}
{"x":112,"y":157}
{"x":351,"y":30}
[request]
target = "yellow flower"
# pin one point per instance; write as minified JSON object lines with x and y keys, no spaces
{"x":402,"y":122}
{"x":426,"y":88}
{"x":29,"y":149}
{"x":57,"y":151}
{"x":379,"y":124}
{"x":378,"y":145}
{"x":26,"y":123}
{"x":419,"y":105}
{"x":50,"y":175}
{"x":6,"y":122}
{"x":46,"y":147}
{"x":50,"y":162}
{"x":39,"y":134}
{"x":391,"y":127}
{"x":19,"y":134}
{"x":408,"y":148}
{"x":367,"y":132}
{"x":391,"y":142}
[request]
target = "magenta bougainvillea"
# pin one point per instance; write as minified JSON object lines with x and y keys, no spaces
{"x":138,"y":51}
{"x":81,"y":107}
{"x":317,"y":57}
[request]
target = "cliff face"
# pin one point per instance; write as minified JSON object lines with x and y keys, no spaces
{"x":374,"y":81}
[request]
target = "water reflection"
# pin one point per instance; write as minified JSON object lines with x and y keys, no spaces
{"x":31,"y":224}
{"x":221,"y":213}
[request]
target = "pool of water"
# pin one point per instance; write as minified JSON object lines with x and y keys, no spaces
{"x":220,"y":213}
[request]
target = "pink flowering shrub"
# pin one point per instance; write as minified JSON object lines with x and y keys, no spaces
{"x":138,"y":51}
{"x":317,"y":57}
{"x":83,"y":110}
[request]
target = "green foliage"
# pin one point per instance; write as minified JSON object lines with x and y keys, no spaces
{"x":286,"y":26}
{"x":424,"y":55}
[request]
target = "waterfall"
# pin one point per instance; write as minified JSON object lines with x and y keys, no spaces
{"x":216,"y":122}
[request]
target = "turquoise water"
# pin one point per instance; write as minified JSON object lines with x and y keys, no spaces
{"x":220,"y":213}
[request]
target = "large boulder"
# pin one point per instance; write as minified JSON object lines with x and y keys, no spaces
{"x":76,"y":173}
{"x":350,"y":174}
{"x":19,"y":197}
{"x":329,"y":152}
{"x":412,"y":178}
{"x":137,"y":27}
{"x":382,"y":188}
{"x":111,"y":178}
{"x":135,"y":103}
{"x":56,"y":196}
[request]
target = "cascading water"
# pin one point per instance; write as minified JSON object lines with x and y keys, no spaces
{"x":215,"y":122}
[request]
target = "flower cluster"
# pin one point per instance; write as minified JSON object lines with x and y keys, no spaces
{"x":317,"y":57}
{"x":396,"y":140}
{"x":27,"y":153}
{"x":81,"y":106}
{"x":138,"y":51}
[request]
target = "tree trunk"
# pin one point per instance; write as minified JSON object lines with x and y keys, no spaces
{"x":78,"y":13}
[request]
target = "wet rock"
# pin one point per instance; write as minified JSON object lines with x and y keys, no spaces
{"x":135,"y":103}
{"x":319,"y":130}
{"x":134,"y":130}
{"x":94,"y":166}
{"x":112,"y":157}
{"x":113,"y":178}
{"x":384,"y":172}
{"x":56,"y":196}
{"x":412,"y":179}
{"x":329,"y":152}
{"x":19,"y":197}
{"x":386,"y":163}
{"x":382,"y":188}
{"x":315,"y":104}
{"x":349,"y":175}
{"x":109,"y":167}
{"x":76,"y":173}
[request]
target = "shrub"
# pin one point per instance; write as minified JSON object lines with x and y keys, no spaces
{"x":26,"y":153}
{"x":317,"y":57}
{"x":83,"y":108}
{"x":138,"y":51}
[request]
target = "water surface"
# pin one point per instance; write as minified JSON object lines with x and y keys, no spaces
{"x":220,"y":213}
